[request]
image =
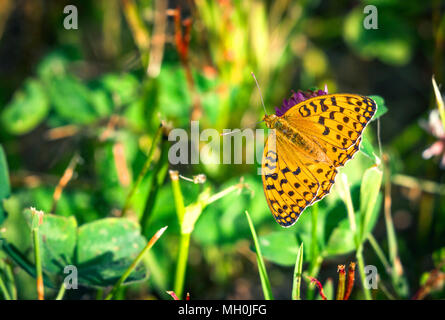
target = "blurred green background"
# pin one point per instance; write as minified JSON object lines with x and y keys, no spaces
{"x":92,"y":100}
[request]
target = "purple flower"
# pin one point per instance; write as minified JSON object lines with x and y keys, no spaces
{"x":434,"y":126}
{"x":298,"y":97}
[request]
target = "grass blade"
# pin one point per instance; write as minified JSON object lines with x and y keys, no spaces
{"x":267,"y":291}
{"x":135,"y":263}
{"x":297,"y":274}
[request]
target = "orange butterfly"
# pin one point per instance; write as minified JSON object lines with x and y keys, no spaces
{"x":315,"y":133}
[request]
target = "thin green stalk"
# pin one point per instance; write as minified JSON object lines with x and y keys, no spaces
{"x":379,"y":253}
{"x":38,"y":261}
{"x":297,"y":274}
{"x":187,"y":217}
{"x":316,"y":258}
{"x":10,"y":282}
{"x":361,"y":270}
{"x":184,"y":241}
{"x":314,"y":242}
{"x":3,"y":290}
{"x":140,"y":33}
{"x":386,"y":291}
{"x":135,"y":263}
{"x":398,"y":281}
{"x":184,"y":244}
{"x":157,"y":179}
{"x":267,"y":291}
{"x":223,"y":193}
{"x":61,"y":292}
{"x":143,"y":172}
{"x":177,"y":197}
{"x":346,"y":195}
{"x":37,"y":220}
{"x":358,"y":231}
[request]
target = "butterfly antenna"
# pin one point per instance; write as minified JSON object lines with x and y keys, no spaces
{"x":230,"y":132}
{"x":261,"y":95}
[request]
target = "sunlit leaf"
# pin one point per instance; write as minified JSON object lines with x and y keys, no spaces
{"x":280,"y":247}
{"x":28,"y":108}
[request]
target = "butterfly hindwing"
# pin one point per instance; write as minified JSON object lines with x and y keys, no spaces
{"x":289,"y":186}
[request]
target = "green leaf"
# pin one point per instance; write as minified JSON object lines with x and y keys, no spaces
{"x":369,"y":191}
{"x":58,"y":241}
{"x":381,"y":106}
{"x":5,"y":188}
{"x":106,"y":248}
{"x":28,"y":108}
{"x":341,"y":240}
{"x":101,"y":102}
{"x":123,"y":87}
{"x":280,"y":247}
{"x":72,"y":100}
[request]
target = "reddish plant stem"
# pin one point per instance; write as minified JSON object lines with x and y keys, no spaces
{"x":182,"y":45}
{"x":341,"y":269}
{"x":319,"y":286}
{"x":351,"y":279}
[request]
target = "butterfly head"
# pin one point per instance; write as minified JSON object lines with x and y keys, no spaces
{"x":270,"y":120}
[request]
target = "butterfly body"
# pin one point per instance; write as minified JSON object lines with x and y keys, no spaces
{"x":284,"y":130}
{"x":310,"y":140}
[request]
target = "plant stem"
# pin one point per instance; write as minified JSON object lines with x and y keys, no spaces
{"x":184,"y":244}
{"x":143,"y":172}
{"x":140,"y":33}
{"x":135,"y":263}
{"x":379,"y":253}
{"x":177,"y":196}
{"x":157,"y":179}
{"x":4,"y":290}
{"x":9,"y":279}
{"x":351,"y":280}
{"x":314,"y":242}
{"x":316,"y":259}
{"x":184,"y":241}
{"x":61,"y":292}
{"x":361,"y":269}
{"x":341,"y":282}
{"x":398,"y":281}
{"x":38,"y":261}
